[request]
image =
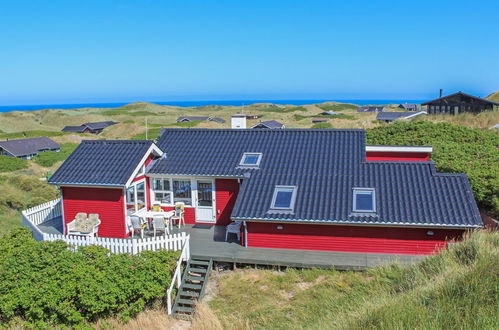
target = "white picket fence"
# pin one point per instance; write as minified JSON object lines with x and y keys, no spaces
{"x":37,"y":215}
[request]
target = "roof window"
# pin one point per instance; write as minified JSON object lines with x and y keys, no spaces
{"x":251,"y":159}
{"x":364,"y":200}
{"x":283,"y":198}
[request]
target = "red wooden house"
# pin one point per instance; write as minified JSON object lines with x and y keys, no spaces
{"x":292,"y":189}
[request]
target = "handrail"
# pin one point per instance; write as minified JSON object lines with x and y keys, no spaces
{"x":177,"y":276}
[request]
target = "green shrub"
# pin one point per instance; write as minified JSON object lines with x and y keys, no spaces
{"x":275,"y":108}
{"x":10,"y":164}
{"x":152,"y":134}
{"x":47,"y":285}
{"x":49,"y":158}
{"x":322,"y":125}
{"x":343,"y":116}
{"x":338,"y":107}
{"x":31,"y":134}
{"x":456,"y":149}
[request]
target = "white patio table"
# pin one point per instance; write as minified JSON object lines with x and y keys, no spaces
{"x":144,"y":215}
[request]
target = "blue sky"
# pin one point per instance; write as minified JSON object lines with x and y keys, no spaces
{"x":107,"y":51}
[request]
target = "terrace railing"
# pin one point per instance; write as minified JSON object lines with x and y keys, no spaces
{"x":37,"y":215}
{"x":177,"y":275}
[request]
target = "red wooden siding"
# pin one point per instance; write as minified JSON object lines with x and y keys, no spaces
{"x":189,"y":213}
{"x":108,"y":203}
{"x":398,"y":156}
{"x":349,"y":238}
{"x":226,"y":193}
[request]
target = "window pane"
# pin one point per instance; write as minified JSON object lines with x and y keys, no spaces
{"x":130,"y":195}
{"x":182,"y":191}
{"x":205,"y":197}
{"x":283,"y":198}
{"x":166,"y":185}
{"x":157,"y":184}
{"x":364,"y":201}
{"x":251,"y":159}
{"x":141,"y":195}
{"x":163,"y":197}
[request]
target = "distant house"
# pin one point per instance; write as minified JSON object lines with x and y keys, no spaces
{"x":199,"y":118}
{"x":218,"y":120}
{"x":269,"y":124}
{"x":27,"y":148}
{"x":392,"y":116}
{"x":410,"y":106}
{"x":458,"y":103}
{"x":319,"y":120}
{"x":193,"y":118}
{"x":371,"y":109}
{"x":93,"y":128}
{"x":329,"y":113}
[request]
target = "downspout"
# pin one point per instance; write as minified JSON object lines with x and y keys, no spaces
{"x":245,"y":234}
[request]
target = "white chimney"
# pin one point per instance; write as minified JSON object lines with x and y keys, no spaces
{"x":238,"y":121}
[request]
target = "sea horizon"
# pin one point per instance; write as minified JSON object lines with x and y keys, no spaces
{"x":34,"y":107}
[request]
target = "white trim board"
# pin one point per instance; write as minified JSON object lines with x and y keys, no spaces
{"x":400,"y":148}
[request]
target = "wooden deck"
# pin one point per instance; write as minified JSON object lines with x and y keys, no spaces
{"x":208,"y":242}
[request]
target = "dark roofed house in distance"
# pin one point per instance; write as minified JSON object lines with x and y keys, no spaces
{"x":459,"y":102}
{"x":93,"y":128}
{"x":392,"y":116}
{"x":369,"y":108}
{"x":269,"y":124}
{"x":410,"y":106}
{"x":27,"y":148}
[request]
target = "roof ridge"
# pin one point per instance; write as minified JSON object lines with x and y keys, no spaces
{"x":116,"y":141}
{"x":253,"y":130}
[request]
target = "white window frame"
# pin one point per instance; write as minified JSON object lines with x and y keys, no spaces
{"x":363,"y":191}
{"x":258,"y":154}
{"x":293,"y":197}
{"x":153,"y":191}
{"x":134,"y":187}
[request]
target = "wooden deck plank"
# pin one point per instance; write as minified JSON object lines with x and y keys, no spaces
{"x":208,"y":242}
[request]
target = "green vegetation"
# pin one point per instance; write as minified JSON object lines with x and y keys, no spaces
{"x":275,"y":108}
{"x":49,"y":158}
{"x":30,"y":134}
{"x":338,"y":107}
{"x":152,"y":134}
{"x":20,"y":192}
{"x":128,"y":113}
{"x":298,"y":117}
{"x":322,"y":125}
{"x":10,"y":164}
{"x":456,"y":149}
{"x":187,"y":123}
{"x":457,"y":289}
{"x":45,"y":285}
{"x":494,"y":97}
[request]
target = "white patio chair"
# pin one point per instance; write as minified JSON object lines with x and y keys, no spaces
{"x":233,"y":228}
{"x":158,"y":224}
{"x":179,"y":214}
{"x":137,"y":225}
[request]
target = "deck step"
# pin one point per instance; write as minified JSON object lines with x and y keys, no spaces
{"x":200,"y":262}
{"x":192,"y":286}
{"x":197,"y":270}
{"x":184,"y":309}
{"x":186,"y":301}
{"x":195,"y":278}
{"x":194,"y":294}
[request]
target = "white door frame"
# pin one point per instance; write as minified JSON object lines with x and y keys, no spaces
{"x":199,"y":208}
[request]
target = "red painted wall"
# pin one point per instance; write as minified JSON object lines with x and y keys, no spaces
{"x":226,"y":194}
{"x":398,"y":156}
{"x":189,"y":213}
{"x":349,"y":238}
{"x":108,"y":203}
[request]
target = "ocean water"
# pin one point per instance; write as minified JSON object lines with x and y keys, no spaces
{"x":7,"y":108}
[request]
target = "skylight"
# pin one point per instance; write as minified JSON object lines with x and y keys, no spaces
{"x":251,"y":159}
{"x":284,"y":198}
{"x":364,"y":200}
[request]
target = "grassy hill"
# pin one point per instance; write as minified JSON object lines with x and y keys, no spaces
{"x":494,"y":97}
{"x":458,"y":289}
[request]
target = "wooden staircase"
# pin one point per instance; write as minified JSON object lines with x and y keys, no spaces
{"x":192,"y":288}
